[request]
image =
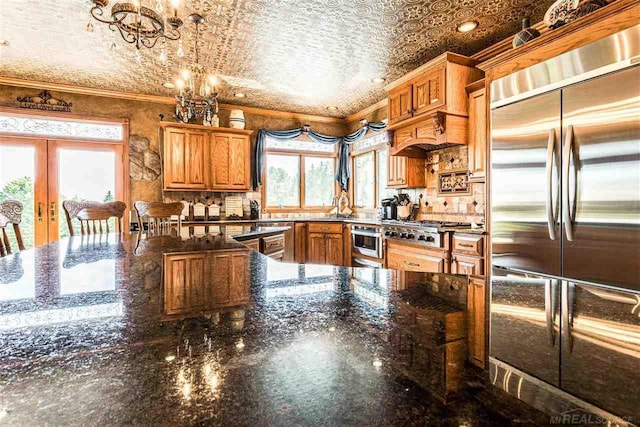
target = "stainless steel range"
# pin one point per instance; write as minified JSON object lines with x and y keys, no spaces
{"x":425,"y":233}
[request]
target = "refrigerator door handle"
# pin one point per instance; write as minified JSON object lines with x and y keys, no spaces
{"x":566,"y":162}
{"x":567,"y":313}
{"x":552,"y":214}
{"x":549,"y":309}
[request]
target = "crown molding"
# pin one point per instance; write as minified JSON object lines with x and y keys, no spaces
{"x":168,"y":100}
{"x":370,"y":109}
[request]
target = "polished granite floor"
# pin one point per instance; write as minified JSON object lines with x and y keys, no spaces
{"x":92,"y":333}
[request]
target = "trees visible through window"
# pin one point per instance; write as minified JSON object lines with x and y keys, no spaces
{"x":299,"y":174}
{"x":370,"y":172}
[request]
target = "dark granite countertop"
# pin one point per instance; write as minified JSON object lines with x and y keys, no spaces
{"x":199,"y":329}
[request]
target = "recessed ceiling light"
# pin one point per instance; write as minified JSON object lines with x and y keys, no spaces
{"x":378,"y":80}
{"x":332,"y":108}
{"x":465,"y":27}
{"x":168,"y":85}
{"x":4,"y":42}
{"x":240,"y":95}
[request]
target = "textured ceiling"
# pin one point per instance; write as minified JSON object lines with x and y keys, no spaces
{"x":290,"y":55}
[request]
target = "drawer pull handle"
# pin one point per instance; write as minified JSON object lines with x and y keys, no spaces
{"x":413,"y":264}
{"x":465,"y":245}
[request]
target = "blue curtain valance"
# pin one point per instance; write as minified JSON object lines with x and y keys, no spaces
{"x":343,"y":170}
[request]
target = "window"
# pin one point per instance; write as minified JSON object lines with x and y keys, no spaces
{"x":300,"y":174}
{"x":364,"y":177}
{"x":370,"y":172}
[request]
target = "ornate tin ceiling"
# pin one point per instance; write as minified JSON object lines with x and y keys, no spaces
{"x":289,"y":55}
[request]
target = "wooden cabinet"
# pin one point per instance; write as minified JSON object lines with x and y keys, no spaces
{"x":477,"y":133}
{"x":185,"y":156}
{"x":230,"y":162}
{"x":184,"y":283}
{"x":199,"y":282}
{"x":273,"y":244}
{"x":438,"y":110}
{"x":253,"y":244}
{"x":400,"y":105}
{"x":461,"y":264}
{"x":229,"y":278}
{"x":300,"y":236}
{"x":468,"y":244}
{"x":203,"y":158}
{"x":428,"y":90}
{"x":467,"y":254}
{"x":414,"y":258}
{"x":405,"y":172}
{"x":316,"y":253}
{"x":325,"y":244}
{"x":476,"y":314}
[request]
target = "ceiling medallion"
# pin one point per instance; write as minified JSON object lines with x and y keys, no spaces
{"x":138,"y":24}
{"x":197,"y":90}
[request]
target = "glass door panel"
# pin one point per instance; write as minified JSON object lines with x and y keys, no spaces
{"x":82,"y":172}
{"x":22,"y":166}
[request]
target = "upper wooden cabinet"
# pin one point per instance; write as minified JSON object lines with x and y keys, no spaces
{"x":185,"y":156}
{"x":204,"y":158}
{"x":230,"y":162}
{"x":405,"y":172}
{"x":477,"y":130}
{"x":429,"y":106}
{"x":400,"y":105}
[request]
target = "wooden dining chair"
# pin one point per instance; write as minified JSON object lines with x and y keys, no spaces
{"x":158,"y":215}
{"x":93,"y":214}
{"x":10,"y":213}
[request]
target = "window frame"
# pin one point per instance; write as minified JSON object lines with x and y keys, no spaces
{"x":301,"y":154}
{"x":376,"y":149}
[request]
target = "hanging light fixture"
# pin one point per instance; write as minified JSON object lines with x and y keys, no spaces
{"x":137,"y":24}
{"x":197,"y":90}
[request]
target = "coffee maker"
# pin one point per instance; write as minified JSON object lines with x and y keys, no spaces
{"x":389,"y":209}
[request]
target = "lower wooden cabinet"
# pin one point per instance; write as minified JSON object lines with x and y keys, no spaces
{"x":410,"y":258}
{"x":476,"y":315}
{"x":198,"y":282}
{"x":252,"y":244}
{"x":324,"y":248}
{"x":462,"y":264}
{"x":273,"y":244}
{"x":184,"y":283}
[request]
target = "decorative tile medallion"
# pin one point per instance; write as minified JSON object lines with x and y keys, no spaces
{"x":453,"y":182}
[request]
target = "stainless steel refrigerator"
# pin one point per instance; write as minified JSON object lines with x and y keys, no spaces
{"x":565,"y":223}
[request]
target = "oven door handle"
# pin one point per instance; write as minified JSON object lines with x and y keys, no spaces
{"x":367,"y":263}
{"x":366,"y":233}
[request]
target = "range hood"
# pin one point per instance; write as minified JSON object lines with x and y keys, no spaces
{"x":435,"y":131}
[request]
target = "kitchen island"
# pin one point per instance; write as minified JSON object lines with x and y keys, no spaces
{"x":181,"y":330}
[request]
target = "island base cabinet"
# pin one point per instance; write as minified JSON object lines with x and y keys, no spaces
{"x":476,"y":315}
{"x":197,"y":283}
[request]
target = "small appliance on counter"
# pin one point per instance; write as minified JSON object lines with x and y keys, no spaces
{"x":255,"y":209}
{"x":389,"y":209}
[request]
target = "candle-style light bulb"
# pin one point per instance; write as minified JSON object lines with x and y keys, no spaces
{"x":180,"y":51}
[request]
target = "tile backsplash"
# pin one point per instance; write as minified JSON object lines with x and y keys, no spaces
{"x":465,"y":207}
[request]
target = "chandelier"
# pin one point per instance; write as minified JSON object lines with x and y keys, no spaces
{"x":138,"y":24}
{"x":197,"y":90}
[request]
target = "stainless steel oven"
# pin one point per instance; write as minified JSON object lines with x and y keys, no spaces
{"x":364,"y":262}
{"x":366,"y":240}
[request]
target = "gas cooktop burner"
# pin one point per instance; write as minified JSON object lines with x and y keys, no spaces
{"x":426,"y":224}
{"x":426,"y":233}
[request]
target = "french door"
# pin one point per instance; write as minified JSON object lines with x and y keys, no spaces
{"x":41,"y":173}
